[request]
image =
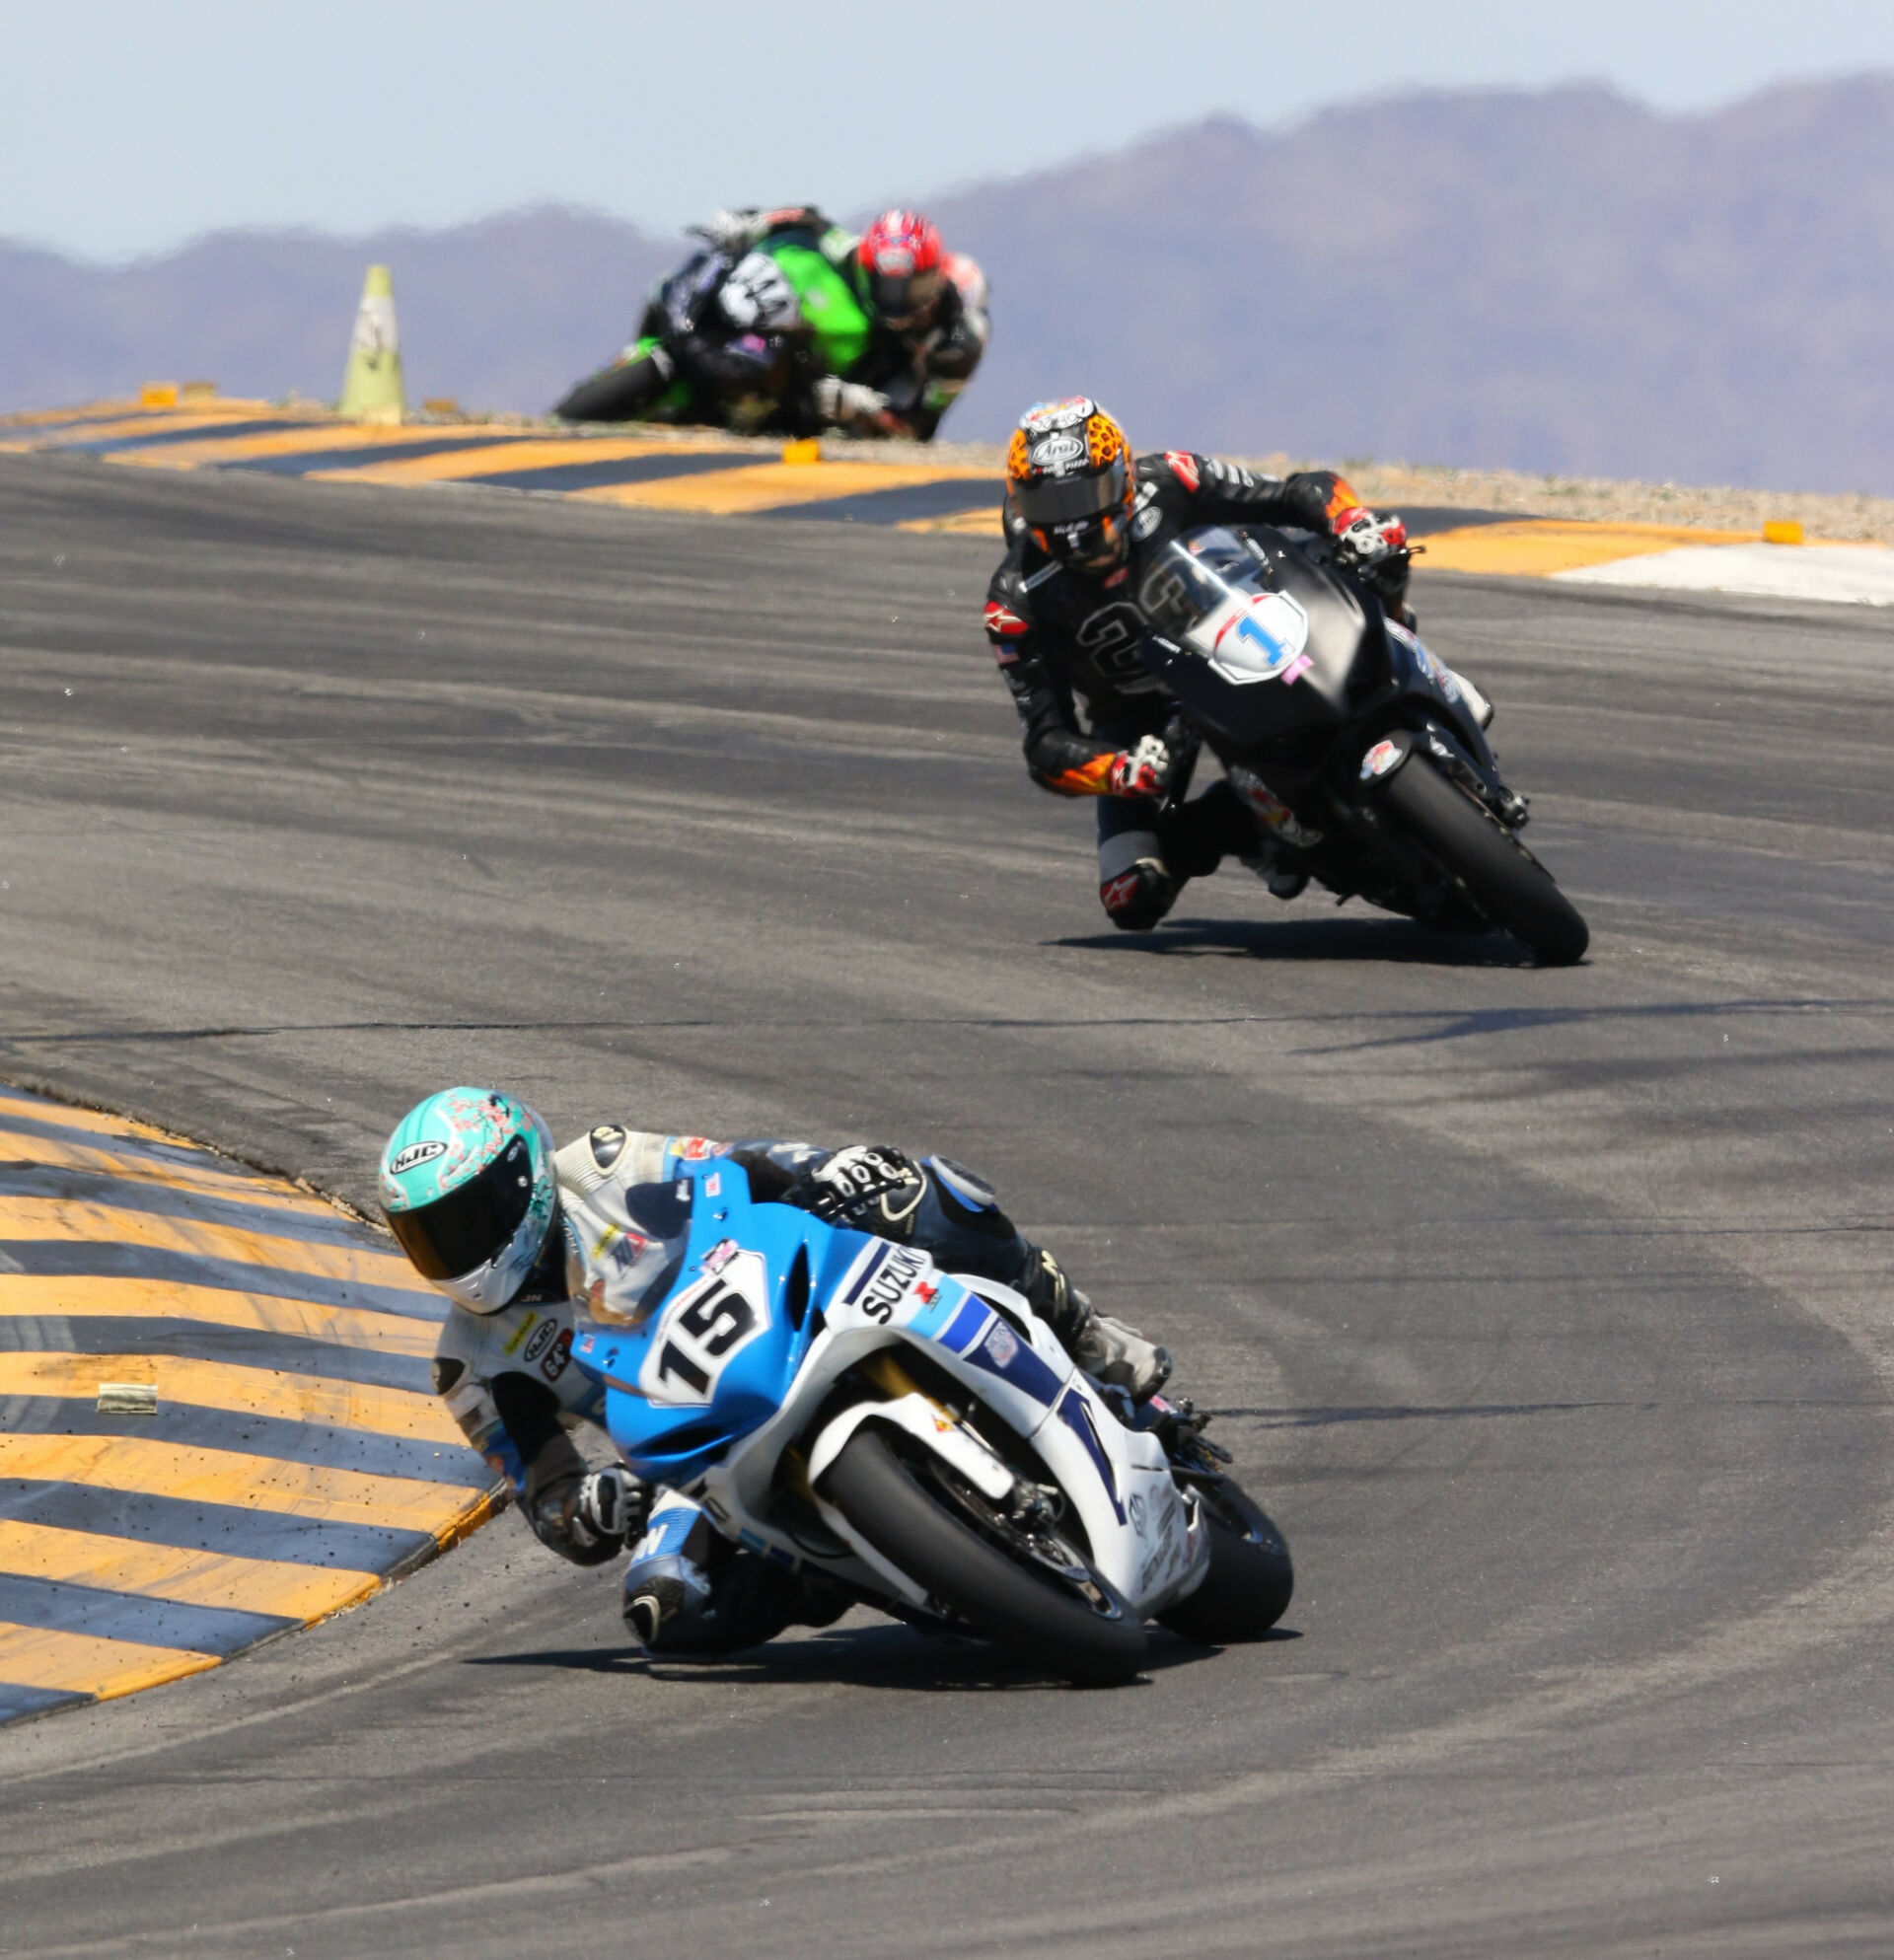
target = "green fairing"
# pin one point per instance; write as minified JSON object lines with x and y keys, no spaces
{"x":674,"y":401}
{"x":830,"y":305}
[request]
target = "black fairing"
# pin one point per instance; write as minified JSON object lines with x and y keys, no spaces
{"x":1347,"y":649}
{"x":1358,"y":675}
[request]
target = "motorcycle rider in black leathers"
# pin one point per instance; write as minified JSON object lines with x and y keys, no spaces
{"x":1082,"y":514}
{"x":524,"y":1239}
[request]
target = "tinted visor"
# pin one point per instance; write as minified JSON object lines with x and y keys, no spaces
{"x":1056,"y":500}
{"x":906,"y":298}
{"x":464,"y":1229}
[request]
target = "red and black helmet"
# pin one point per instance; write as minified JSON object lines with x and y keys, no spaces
{"x":902,"y":262}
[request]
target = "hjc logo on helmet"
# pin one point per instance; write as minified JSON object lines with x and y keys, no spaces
{"x":416,"y":1154}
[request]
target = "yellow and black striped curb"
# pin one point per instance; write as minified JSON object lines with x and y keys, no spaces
{"x":215,"y":1414}
{"x":650,"y":468}
{"x":643,"y":469}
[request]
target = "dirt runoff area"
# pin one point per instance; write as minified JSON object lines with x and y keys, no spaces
{"x":1582,"y":500}
{"x":1578,"y":500}
{"x":1592,"y":499}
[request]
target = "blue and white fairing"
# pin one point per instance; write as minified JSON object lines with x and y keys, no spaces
{"x":707,"y":1386}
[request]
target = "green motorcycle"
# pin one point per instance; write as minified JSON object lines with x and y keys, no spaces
{"x":736,"y":338}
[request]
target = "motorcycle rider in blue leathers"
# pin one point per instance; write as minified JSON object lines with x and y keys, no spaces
{"x":526,"y":1239}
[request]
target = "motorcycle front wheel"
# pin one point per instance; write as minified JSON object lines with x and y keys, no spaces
{"x":615,"y":393}
{"x":1247,"y":1589}
{"x":1088,"y":1637}
{"x":1487,"y":862}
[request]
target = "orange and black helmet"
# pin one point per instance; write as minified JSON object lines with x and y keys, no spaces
{"x":1071,"y":478}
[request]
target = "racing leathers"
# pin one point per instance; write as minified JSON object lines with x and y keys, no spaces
{"x":904,"y":383}
{"x":890,"y":383}
{"x":1063,"y":637}
{"x":616,"y":1245}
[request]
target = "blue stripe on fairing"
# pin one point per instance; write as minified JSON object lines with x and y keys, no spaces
{"x":58,"y":1607}
{"x":964,"y":1328}
{"x":928,"y":1322}
{"x":1023,"y":1370}
{"x":1075,"y":1412}
{"x":876,"y":1260}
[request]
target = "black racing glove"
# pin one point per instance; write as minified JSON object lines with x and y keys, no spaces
{"x":605,"y":1508}
{"x":868,"y":1187}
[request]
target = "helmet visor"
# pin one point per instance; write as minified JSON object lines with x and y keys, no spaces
{"x":1056,"y":500}
{"x":906,"y":298}
{"x":472,"y":1225}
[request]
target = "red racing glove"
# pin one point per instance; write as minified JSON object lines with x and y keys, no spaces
{"x":1145,"y":770}
{"x":1368,"y":538}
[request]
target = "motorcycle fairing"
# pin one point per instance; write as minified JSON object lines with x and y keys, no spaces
{"x":1309,"y":627}
{"x":721,"y":1440}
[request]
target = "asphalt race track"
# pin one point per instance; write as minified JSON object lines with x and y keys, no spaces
{"x":1549,"y":1311}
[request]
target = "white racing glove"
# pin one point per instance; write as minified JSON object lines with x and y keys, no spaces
{"x":849,"y":403}
{"x":1368,"y":538}
{"x":1143,"y":770}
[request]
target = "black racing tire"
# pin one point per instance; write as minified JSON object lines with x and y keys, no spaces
{"x":1487,"y":862}
{"x":1248,"y":1587}
{"x":615,"y":393}
{"x":1002,"y":1599}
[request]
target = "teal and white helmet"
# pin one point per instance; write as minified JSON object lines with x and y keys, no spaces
{"x":467,"y":1184}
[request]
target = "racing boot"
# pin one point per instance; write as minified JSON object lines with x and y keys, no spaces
{"x":1136,"y":900}
{"x":1107,"y":1349}
{"x":1285,"y":881}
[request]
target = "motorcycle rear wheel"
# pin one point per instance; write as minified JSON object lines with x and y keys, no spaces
{"x":1487,"y":862}
{"x":1000,"y":1597}
{"x":1248,"y":1587}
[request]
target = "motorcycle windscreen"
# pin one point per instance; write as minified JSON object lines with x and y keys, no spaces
{"x":1256,"y":640}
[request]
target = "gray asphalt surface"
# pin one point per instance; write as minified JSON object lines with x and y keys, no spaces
{"x":1549,"y":1311}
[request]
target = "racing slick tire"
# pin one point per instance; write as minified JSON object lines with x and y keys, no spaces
{"x":1247,"y":1589}
{"x":1000,"y":1597}
{"x":615,"y":393}
{"x":1487,"y":862}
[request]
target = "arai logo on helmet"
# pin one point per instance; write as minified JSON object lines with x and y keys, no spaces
{"x":1057,"y":451}
{"x":1380,"y":759}
{"x":414,"y":1155}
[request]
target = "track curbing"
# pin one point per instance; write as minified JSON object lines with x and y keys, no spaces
{"x":296,"y":1459}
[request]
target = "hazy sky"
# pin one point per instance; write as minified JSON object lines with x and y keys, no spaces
{"x":126,"y":129}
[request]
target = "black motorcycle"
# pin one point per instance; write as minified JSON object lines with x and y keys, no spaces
{"x":1356,"y":749}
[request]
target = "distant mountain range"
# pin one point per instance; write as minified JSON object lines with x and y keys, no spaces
{"x":1557,"y":282}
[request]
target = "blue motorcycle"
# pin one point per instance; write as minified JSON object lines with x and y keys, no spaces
{"x":833,"y":1400}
